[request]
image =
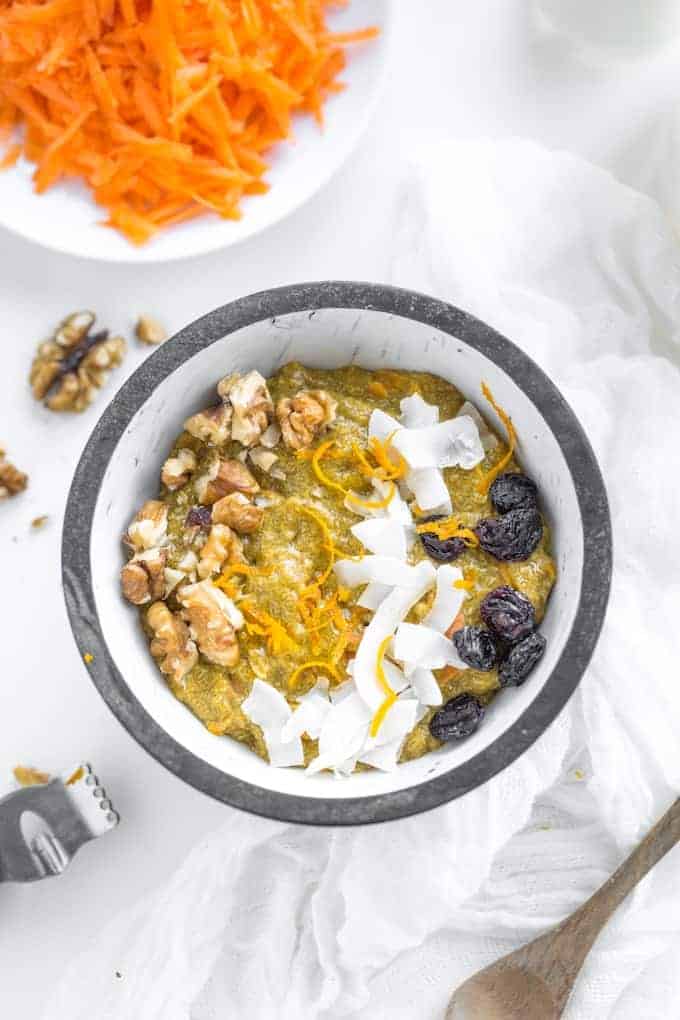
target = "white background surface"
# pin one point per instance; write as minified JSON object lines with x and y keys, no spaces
{"x":462,"y":70}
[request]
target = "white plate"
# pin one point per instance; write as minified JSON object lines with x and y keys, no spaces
{"x":67,"y":219}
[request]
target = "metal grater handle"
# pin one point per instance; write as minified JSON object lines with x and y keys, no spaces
{"x":43,"y":827}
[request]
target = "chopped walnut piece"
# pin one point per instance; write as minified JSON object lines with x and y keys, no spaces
{"x":225,"y":476}
{"x":12,"y":481}
{"x":149,"y":527}
{"x":143,"y":578}
{"x":171,"y":646}
{"x":252,"y":405}
{"x":178,"y":470}
{"x":150,"y":330}
{"x":212,"y":425}
{"x":263,"y":459}
{"x":213,"y":620}
{"x":304,"y":417}
{"x":223,"y":546}
{"x":68,"y":370}
{"x":238,"y":512}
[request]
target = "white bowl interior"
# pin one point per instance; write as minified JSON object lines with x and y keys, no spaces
{"x":330,"y":338}
{"x":66,"y":217}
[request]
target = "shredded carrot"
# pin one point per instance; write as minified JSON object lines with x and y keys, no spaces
{"x":151,"y":101}
{"x":486,"y":480}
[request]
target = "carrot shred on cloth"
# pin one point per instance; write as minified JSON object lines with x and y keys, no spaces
{"x":167,"y":109}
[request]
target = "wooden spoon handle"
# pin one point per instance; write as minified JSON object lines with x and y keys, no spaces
{"x":596,"y":911}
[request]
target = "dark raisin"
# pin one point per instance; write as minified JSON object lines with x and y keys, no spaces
{"x":508,"y":613}
{"x":514,"y":536}
{"x":476,"y":647}
{"x":444,"y":550}
{"x":458,"y":718}
{"x":199,"y":517}
{"x":512,"y":491}
{"x":520,"y":660}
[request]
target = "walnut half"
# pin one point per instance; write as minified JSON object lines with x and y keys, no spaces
{"x":178,"y":470}
{"x":226,"y":476}
{"x":12,"y":481}
{"x":149,"y":527}
{"x":143,"y":578}
{"x":213,"y":620}
{"x":172,"y":646}
{"x":305,"y":416}
{"x":74,"y":364}
{"x":238,"y":512}
{"x":251,"y":403}
{"x":223,"y":546}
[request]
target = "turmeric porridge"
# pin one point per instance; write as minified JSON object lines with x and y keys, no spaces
{"x":343,"y":567}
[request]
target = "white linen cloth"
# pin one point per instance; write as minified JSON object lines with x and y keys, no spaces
{"x":270,"y":921}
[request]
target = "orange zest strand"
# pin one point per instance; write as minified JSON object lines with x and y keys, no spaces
{"x":377,"y":389}
{"x":245,"y":569}
{"x":11,"y":156}
{"x":259,"y":622}
{"x":375,"y":504}
{"x":165,"y":109}
{"x":328,"y":545}
{"x":450,"y":528}
{"x":391,"y":462}
{"x":390,"y":696}
{"x":486,"y":480}
{"x":329,"y":667}
{"x":320,"y":452}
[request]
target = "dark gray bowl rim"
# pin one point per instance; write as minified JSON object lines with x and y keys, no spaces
{"x":578,"y":648}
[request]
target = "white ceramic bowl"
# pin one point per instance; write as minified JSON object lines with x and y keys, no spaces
{"x":328,"y":325}
{"x":67,"y":219}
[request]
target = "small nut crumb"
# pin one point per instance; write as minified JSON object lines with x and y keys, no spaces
{"x":70,"y":368}
{"x":150,"y":330}
{"x":39,"y":522}
{"x":25,"y":775}
{"x":12,"y":481}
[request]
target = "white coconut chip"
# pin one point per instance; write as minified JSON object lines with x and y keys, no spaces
{"x":489,"y":441}
{"x":342,"y":735}
{"x":425,"y":686}
{"x":268,"y":709}
{"x":383,"y":569}
{"x":387,"y":618}
{"x":382,"y":537}
{"x":448,"y":599}
{"x":452,"y":443}
{"x":430,"y":491}
{"x":418,"y":646}
{"x":373,"y":595}
{"x":382,"y":751}
{"x":381,"y":425}
{"x":308,"y":717}
{"x":416,"y":413}
{"x":397,"y":509}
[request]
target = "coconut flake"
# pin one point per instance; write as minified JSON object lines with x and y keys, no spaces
{"x":308,"y":717}
{"x":342,"y":735}
{"x":373,"y":595}
{"x":448,"y":599}
{"x":452,"y":443}
{"x":396,"y":509}
{"x":489,"y":441}
{"x":382,"y":425}
{"x":382,"y":751}
{"x":430,"y":491}
{"x":386,"y":620}
{"x":416,"y":645}
{"x":385,"y":538}
{"x":384,"y":569}
{"x":268,"y":709}
{"x":416,"y":413}
{"x":425,"y":686}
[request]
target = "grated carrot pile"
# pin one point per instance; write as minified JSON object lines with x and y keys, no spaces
{"x":166,"y":108}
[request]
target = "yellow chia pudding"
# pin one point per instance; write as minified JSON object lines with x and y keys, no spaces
{"x":342,"y":567}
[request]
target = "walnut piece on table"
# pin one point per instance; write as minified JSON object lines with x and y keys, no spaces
{"x":12,"y":481}
{"x":149,"y":527}
{"x":177,"y":471}
{"x":212,"y":426}
{"x":305,"y":416}
{"x":251,"y":403}
{"x":213,"y":621}
{"x":224,"y":477}
{"x":172,"y":646}
{"x":238,"y":512}
{"x":150,"y":330}
{"x":143,"y":577}
{"x":223,"y":546}
{"x":70,"y":368}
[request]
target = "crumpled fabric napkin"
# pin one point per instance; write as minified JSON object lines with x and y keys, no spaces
{"x":265,"y":920}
